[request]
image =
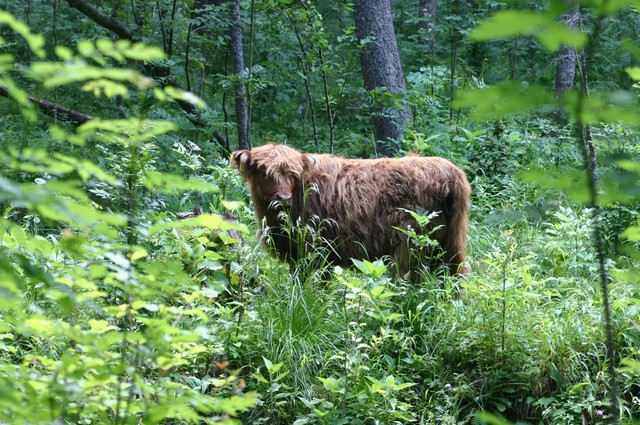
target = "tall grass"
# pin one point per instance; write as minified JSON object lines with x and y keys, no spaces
{"x":523,"y":338}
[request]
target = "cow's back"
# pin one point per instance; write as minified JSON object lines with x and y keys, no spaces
{"x":361,"y":204}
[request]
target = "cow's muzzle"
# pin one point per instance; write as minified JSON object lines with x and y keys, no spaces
{"x":283,"y":199}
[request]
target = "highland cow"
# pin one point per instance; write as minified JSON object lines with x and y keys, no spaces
{"x":359,"y":207}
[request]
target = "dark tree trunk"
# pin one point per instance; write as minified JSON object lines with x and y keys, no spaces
{"x":381,"y":70}
{"x":236,"y":45}
{"x":237,"y":48}
{"x":567,"y":56}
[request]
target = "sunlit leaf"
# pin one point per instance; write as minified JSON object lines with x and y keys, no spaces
{"x":107,"y":87}
{"x":632,"y":233}
{"x":140,"y":51}
{"x":108,"y":48}
{"x":210,"y":221}
{"x":375,"y":269}
{"x":129,"y":131}
{"x":491,"y":419}
{"x":177,"y":94}
{"x":610,"y":7}
{"x":546,"y":28}
{"x":86,"y":169}
{"x":503,"y":100}
{"x":36,"y":41}
{"x":64,"y":52}
{"x":86,"y":47}
{"x":20,"y":96}
{"x":571,"y":182}
{"x":616,"y":108}
{"x":138,"y":254}
{"x":58,"y":74}
{"x":171,"y":183}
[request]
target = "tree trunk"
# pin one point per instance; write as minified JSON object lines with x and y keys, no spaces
{"x":567,"y":56}
{"x":237,"y":48}
{"x":381,"y":70}
{"x":427,"y":23}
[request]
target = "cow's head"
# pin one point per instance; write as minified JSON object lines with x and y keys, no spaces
{"x":273,"y":173}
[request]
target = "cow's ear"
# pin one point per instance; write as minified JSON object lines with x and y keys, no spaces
{"x":309,"y":161}
{"x":240,"y":159}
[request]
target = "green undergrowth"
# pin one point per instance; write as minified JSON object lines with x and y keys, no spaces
{"x":115,"y":308}
{"x":523,"y":338}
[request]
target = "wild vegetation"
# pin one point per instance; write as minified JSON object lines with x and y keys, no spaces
{"x":115,"y":308}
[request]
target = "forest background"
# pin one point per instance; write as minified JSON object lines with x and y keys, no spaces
{"x":133,"y":289}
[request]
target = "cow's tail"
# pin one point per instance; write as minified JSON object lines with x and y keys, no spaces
{"x":456,"y":228}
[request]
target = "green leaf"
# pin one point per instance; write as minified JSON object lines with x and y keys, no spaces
{"x":633,"y":72}
{"x":630,"y":365}
{"x":618,"y":107}
{"x":210,"y":221}
{"x":406,"y":385}
{"x":171,"y":183}
{"x":375,"y":269}
{"x":20,"y":96}
{"x":491,"y":419}
{"x":271,"y":367}
{"x":41,"y":326}
{"x":503,"y":100}
{"x":281,"y":376}
{"x":260,"y":378}
{"x":64,"y":52}
{"x":632,"y":233}
{"x":86,"y":48}
{"x":58,"y":74}
{"x":335,"y":385}
{"x":267,"y":363}
{"x":109,"y":88}
{"x":185,"y":96}
{"x":546,"y":28}
{"x":571,"y":182}
{"x":137,"y":254}
{"x":129,"y":131}
{"x":140,"y":51}
{"x":36,"y":41}
{"x":100,"y":326}
{"x":87,"y":169}
{"x":610,"y":7}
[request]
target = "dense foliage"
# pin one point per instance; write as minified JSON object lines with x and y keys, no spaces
{"x":115,"y":308}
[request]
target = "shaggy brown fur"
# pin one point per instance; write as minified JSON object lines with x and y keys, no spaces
{"x":357,"y":205}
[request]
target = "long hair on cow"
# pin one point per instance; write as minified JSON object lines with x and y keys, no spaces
{"x":363,"y":208}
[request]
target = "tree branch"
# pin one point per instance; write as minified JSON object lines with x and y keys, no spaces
{"x":102,"y":19}
{"x":54,"y":110}
{"x":157,"y":71}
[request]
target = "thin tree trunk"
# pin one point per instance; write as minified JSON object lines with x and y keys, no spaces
{"x":306,"y":71}
{"x":427,"y":23}
{"x":325,"y":85}
{"x":237,"y":49}
{"x":249,"y":93}
{"x":173,"y":20}
{"x":513,"y":58}
{"x":455,"y":38}
{"x":585,"y":140}
{"x":382,"y":71}
{"x":567,"y":56}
